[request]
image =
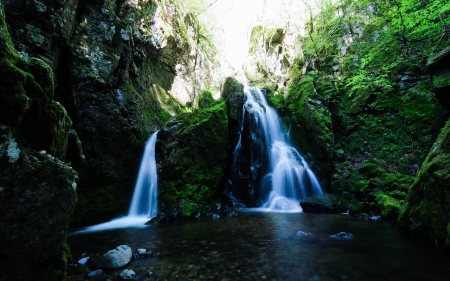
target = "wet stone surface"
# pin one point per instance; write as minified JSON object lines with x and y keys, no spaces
{"x":266,"y":246}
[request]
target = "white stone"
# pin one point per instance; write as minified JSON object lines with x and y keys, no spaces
{"x":117,"y":258}
{"x":128,"y":274}
{"x":13,"y":151}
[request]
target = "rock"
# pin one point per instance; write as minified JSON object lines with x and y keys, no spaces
{"x":116,"y":258}
{"x":302,"y":233}
{"x":95,"y":273}
{"x":193,"y":152}
{"x":325,"y":203}
{"x":128,"y":274}
{"x":83,"y":260}
{"x":342,"y":235}
{"x":361,"y":217}
{"x":426,"y":210}
{"x":388,"y":206}
{"x":142,"y":254}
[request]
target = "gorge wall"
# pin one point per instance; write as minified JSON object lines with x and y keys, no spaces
{"x":122,"y":70}
{"x":83,"y":85}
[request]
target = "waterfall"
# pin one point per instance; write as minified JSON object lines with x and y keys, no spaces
{"x":143,"y":205}
{"x":286,"y":178}
{"x":145,"y":191}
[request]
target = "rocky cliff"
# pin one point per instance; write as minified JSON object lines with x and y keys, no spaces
{"x":122,"y":70}
{"x":37,"y":189}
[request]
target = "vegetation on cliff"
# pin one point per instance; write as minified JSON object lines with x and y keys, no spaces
{"x":360,"y":102}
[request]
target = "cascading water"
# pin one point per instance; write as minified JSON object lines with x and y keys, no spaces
{"x":287,"y":177}
{"x":145,"y":191}
{"x":143,"y":205}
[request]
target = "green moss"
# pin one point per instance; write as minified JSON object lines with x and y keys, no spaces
{"x":427,"y":209}
{"x":307,"y":109}
{"x":370,"y":170}
{"x":195,"y":163}
{"x":420,"y":110}
{"x":388,"y":206}
{"x":358,"y":208}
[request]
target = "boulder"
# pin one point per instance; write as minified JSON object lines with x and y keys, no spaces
{"x":426,"y":210}
{"x":116,"y":258}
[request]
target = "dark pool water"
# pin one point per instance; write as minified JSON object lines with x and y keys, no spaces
{"x":265,"y":246}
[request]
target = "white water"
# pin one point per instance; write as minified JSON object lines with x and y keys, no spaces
{"x":144,"y":202}
{"x":143,"y":205}
{"x":291,"y":178}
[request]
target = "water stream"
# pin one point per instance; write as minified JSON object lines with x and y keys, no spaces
{"x":285,"y":171}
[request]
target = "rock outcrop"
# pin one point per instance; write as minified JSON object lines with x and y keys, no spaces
{"x":192,"y":155}
{"x":37,"y":189}
{"x":427,"y":205}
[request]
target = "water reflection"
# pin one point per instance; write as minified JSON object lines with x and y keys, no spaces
{"x":264,"y":246}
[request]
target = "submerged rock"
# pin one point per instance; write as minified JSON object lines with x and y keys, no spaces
{"x":116,"y":258}
{"x":95,"y":273}
{"x":302,"y":233}
{"x":342,"y":235}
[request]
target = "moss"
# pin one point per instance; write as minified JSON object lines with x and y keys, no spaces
{"x":358,"y":208}
{"x":307,"y":109}
{"x":370,"y":169}
{"x":194,"y":162}
{"x":427,"y":209}
{"x":420,"y":111}
{"x":388,"y":206}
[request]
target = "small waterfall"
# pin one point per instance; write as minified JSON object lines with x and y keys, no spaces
{"x":287,"y":177}
{"x":145,"y":191}
{"x":143,"y":205}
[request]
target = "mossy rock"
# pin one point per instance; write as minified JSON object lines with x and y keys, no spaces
{"x":192,"y":150}
{"x":388,"y":206}
{"x":370,"y":170}
{"x":358,"y":208}
{"x":426,"y":210}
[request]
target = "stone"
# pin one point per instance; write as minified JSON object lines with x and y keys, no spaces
{"x":128,"y":274}
{"x":116,"y":258}
{"x":83,"y":260}
{"x":95,"y":273}
{"x":388,"y":206}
